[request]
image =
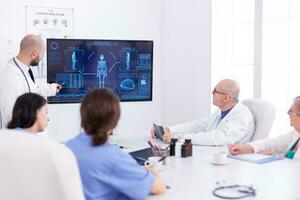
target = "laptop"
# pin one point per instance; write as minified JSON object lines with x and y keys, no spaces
{"x":142,"y":155}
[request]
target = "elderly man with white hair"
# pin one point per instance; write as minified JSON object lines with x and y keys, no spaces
{"x":17,"y":77}
{"x":231,"y":123}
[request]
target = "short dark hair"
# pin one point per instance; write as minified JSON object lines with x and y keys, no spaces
{"x":25,"y":110}
{"x":100,"y":113}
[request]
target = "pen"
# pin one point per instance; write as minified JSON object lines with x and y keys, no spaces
{"x":140,"y":158}
{"x":152,"y":146}
{"x":161,"y":159}
{"x":147,"y":163}
{"x":156,"y":147}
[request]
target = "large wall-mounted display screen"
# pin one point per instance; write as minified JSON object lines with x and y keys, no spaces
{"x":125,"y":66}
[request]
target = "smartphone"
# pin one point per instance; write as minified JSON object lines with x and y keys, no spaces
{"x":159,"y":131}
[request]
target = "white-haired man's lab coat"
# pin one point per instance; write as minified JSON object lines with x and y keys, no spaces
{"x":236,"y":127}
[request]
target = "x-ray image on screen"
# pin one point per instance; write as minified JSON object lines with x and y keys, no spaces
{"x":79,"y":66}
{"x":74,"y":60}
{"x":129,"y":60}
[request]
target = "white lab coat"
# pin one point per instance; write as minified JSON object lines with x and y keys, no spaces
{"x":13,"y":84}
{"x":278,"y":145}
{"x":236,"y":127}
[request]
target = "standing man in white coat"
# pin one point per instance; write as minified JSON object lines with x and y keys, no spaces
{"x":17,"y":77}
{"x":283,"y":144}
{"x":231,"y":123}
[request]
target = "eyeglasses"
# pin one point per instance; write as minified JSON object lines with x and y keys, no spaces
{"x":291,"y":112}
{"x":217,"y":92}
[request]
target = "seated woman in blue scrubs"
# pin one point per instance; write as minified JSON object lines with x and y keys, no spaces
{"x":106,"y":171}
{"x":29,"y":114}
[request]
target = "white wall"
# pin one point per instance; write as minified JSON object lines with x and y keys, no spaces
{"x":186,"y":60}
{"x":180,"y":30}
{"x":113,"y":19}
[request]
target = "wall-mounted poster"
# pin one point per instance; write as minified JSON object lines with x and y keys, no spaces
{"x":49,"y":23}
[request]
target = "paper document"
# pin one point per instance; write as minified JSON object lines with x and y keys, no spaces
{"x":255,"y":157}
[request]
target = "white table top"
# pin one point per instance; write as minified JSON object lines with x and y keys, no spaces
{"x":195,"y":177}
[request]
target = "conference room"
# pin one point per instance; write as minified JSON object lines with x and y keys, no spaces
{"x":140,"y":99}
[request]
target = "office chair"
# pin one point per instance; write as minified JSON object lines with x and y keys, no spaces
{"x":264,"y":114}
{"x":35,"y":167}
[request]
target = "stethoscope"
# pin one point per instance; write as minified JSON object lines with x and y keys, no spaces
{"x":23,"y":74}
{"x":239,"y":191}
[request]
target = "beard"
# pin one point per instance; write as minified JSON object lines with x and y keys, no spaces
{"x":35,"y":62}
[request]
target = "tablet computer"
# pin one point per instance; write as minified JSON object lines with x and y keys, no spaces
{"x":159,"y":130}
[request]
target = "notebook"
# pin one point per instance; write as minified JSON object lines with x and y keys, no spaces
{"x":255,"y":158}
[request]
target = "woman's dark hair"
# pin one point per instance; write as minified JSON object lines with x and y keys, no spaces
{"x":25,"y":110}
{"x":100,"y":113}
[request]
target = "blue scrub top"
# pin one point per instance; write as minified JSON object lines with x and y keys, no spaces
{"x":109,"y":173}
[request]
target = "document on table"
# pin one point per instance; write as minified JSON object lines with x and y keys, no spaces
{"x":255,"y":158}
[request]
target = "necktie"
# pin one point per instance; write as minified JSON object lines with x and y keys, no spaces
{"x":31,"y":75}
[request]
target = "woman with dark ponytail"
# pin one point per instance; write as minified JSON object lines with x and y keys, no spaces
{"x":29,"y":113}
{"x":106,"y":171}
{"x":100,"y":113}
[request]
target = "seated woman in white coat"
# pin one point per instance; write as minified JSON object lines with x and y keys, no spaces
{"x":29,"y":114}
{"x":286,"y":144}
{"x":232,"y":123}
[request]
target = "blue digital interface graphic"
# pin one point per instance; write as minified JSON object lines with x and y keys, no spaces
{"x":125,"y":66}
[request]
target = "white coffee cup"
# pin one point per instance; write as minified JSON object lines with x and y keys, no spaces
{"x":220,"y":158}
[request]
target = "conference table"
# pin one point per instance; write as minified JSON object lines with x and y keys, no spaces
{"x":196,"y":177}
